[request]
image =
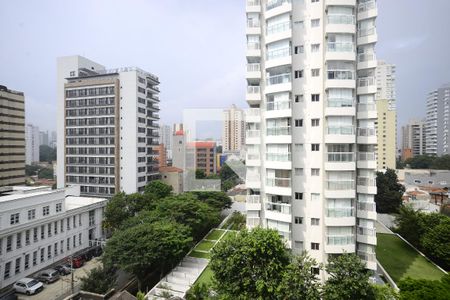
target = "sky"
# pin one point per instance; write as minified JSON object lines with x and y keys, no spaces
{"x":197,"y":48}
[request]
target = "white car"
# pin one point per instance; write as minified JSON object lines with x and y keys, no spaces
{"x":28,"y":286}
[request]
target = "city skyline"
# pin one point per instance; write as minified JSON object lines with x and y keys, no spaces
{"x":34,"y":72}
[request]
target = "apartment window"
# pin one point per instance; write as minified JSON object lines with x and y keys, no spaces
{"x":35,"y":234}
{"x":79,"y":220}
{"x":9,"y":243}
{"x":34,"y":258}
{"x":299,"y":24}
{"x":49,"y":252}
{"x":68,"y":243}
{"x":46,"y":210}
{"x":42,"y":255}
{"x":315,"y":221}
{"x":315,"y":271}
{"x":299,"y":49}
{"x":74,"y":241}
{"x":68,"y":223}
{"x":299,"y":123}
{"x":315,"y":48}
{"x":58,"y":207}
{"x":7,"y":270}
{"x":315,"y":72}
{"x":72,"y":73}
{"x":42,"y":232}
{"x":315,"y":246}
{"x":74,"y":221}
{"x":27,"y":237}
{"x":298,"y":220}
{"x":314,"y":1}
{"x":298,"y":171}
{"x":315,"y":172}
{"x":31,"y":214}
{"x":298,"y":74}
{"x":315,"y":122}
{"x":55,"y":226}
{"x":315,"y":22}
{"x":19,"y":240}
{"x":14,"y":219}
{"x":298,"y":98}
{"x":17,"y":268}
{"x":298,"y":196}
{"x":315,"y":97}
{"x":315,"y":147}
{"x":61,"y":248}
{"x":79,"y":239}
{"x":55,"y":249}
{"x":27,"y":261}
{"x":62,"y":226}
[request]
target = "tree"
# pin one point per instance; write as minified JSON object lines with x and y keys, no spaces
{"x":348,"y":279}
{"x":31,"y":170}
{"x":389,"y":192}
{"x":228,"y":177}
{"x":219,"y":200}
{"x":199,"y":291}
{"x":299,"y":282}
{"x":200,"y":174}
{"x":441,"y":163}
{"x":147,"y":247}
{"x":408,"y":225}
{"x":385,"y":292}
{"x":436,"y":243}
{"x":158,"y":188}
{"x":420,"y":289}
{"x":116,"y":211}
{"x":46,"y":173}
{"x":249,"y":265}
{"x":420,"y":162}
{"x":99,"y":280}
{"x":47,"y":153}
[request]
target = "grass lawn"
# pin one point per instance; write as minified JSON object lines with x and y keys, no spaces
{"x":199,"y":254}
{"x":401,"y":261}
{"x":214,"y":235}
{"x":204,"y":245}
{"x":206,"y":276}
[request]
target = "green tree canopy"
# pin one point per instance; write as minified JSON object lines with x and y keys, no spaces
{"x":158,"y":188}
{"x":420,"y":289}
{"x":348,"y":279}
{"x":249,"y":265}
{"x":389,"y":192}
{"x":436,"y":243}
{"x":47,"y":153}
{"x":219,"y":200}
{"x":99,"y":280}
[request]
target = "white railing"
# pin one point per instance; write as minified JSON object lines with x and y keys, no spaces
{"x":340,"y":102}
{"x":252,"y":23}
{"x":341,"y":130}
{"x":278,"y":182}
{"x":277,"y":131}
{"x":366,"y":81}
{"x":253,"y":89}
{"x":370,"y":257}
{"x":279,"y":105}
{"x":366,"y":181}
{"x":252,"y":112}
{"x":279,"y":53}
{"x":366,"y":131}
{"x":253,"y":46}
{"x":340,"y":240}
{"x":340,"y":185}
{"x":341,"y":47}
{"x":342,"y":212}
{"x":340,"y":156}
{"x":363,"y":57}
{"x":280,"y":27}
{"x":252,"y":156}
{"x":275,"y":3}
{"x":253,"y":3}
{"x":253,"y":67}
{"x":253,"y":199}
{"x":252,"y":133}
{"x":366,"y":206}
{"x":279,"y":79}
{"x":367,"y":107}
{"x":366,"y":231}
{"x":365,"y":6}
{"x":341,"y":75}
{"x":279,"y":207}
{"x":341,"y":19}
{"x":368,"y":156}
{"x":366,"y":32}
{"x":284,"y":157}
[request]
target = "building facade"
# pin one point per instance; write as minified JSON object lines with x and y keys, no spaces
{"x":386,"y":135}
{"x":173,"y":176}
{"x":165,"y":137}
{"x":179,"y":147}
{"x":413,"y":139}
{"x":32,"y":136}
{"x":437,"y":139}
{"x":310,"y":129}
{"x":40,"y":228}
{"x":202,"y":155}
{"x":108,"y":124}
{"x":12,"y":137}
{"x":386,"y":82}
{"x":233,"y":129}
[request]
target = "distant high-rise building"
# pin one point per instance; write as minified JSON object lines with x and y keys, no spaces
{"x":32,"y":144}
{"x":413,"y":139}
{"x":233,"y":131}
{"x":386,"y":81}
{"x":179,"y":147}
{"x":165,"y":137}
{"x":12,"y":137}
{"x":437,"y":127}
{"x":204,"y":155}
{"x":311,"y":138}
{"x":43,"y":138}
{"x":52,"y":139}
{"x":107,"y":127}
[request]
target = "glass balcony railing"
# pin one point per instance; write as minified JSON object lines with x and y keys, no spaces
{"x":253,"y":89}
{"x":367,"y":107}
{"x":340,"y":240}
{"x":279,"y":105}
{"x":252,"y":112}
{"x":279,"y":79}
{"x":253,"y":199}
{"x":253,"y":46}
{"x":366,"y":181}
{"x":252,"y":156}
{"x":279,"y":53}
{"x":282,"y":157}
{"x":275,"y":3}
{"x":366,"y":231}
{"x":365,"y":6}
{"x":340,"y":156}
{"x":278,"y":182}
{"x":366,"y":132}
{"x":342,"y":212}
{"x":340,"y":102}
{"x":367,"y":156}
{"x":341,"y":75}
{"x":362,"y":32}
{"x":277,"y":28}
{"x":341,"y":130}
{"x":253,"y":133}
{"x":366,"y":81}
{"x":253,"y":67}
{"x":340,"y":185}
{"x":341,"y":19}
{"x":363,"y":57}
{"x":253,"y":23}
{"x":279,"y":207}
{"x":369,"y":257}
{"x":277,"y":131}
{"x":253,"y":2}
{"x":341,"y":47}
{"x":366,"y":206}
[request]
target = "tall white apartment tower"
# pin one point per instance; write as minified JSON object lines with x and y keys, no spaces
{"x":437,"y":126}
{"x":31,"y":144}
{"x":165,"y":137}
{"x":310,"y":128}
{"x":233,"y":130}
{"x":107,"y":127}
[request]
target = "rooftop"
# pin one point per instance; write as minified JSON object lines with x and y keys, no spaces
{"x":73,"y":202}
{"x":170,"y":170}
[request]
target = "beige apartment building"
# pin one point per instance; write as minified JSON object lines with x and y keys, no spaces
{"x":12,"y":137}
{"x":387,"y":135}
{"x":233,"y":136}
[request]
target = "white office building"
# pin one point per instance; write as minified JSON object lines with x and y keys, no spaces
{"x":310,"y":129}
{"x":233,"y":129}
{"x":437,"y":125}
{"x":40,"y":227}
{"x":31,"y":144}
{"x":108,"y":127}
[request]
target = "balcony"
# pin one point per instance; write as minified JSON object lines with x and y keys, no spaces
{"x":340,"y":135}
{"x":253,"y":159}
{"x":280,"y":161}
{"x":253,"y":71}
{"x":253,"y":222}
{"x":253,"y":202}
{"x":366,"y":235}
{"x":253,"y":95}
{"x":278,"y":186}
{"x":367,"y":210}
{"x":340,"y":51}
{"x":253,"y":6}
{"x":367,"y":160}
{"x":366,"y":85}
{"x":366,"y":136}
{"x":253,"y":49}
{"x":278,"y":32}
{"x":367,"y":111}
{"x":366,"y":185}
{"x":367,"y":36}
{"x":252,"y":115}
{"x":279,"y":57}
{"x":343,"y":216}
{"x":369,"y":258}
{"x":367,"y":10}
{"x":366,"y":61}
{"x":277,"y":7}
{"x":253,"y":136}
{"x":340,"y":2}
{"x":340,"y":244}
{"x":340,"y":107}
{"x":340,"y":23}
{"x":278,"y":83}
{"x":278,"y":109}
{"x":278,"y":211}
{"x":278,"y":131}
{"x":253,"y":27}
{"x":337,"y":161}
{"x":340,"y":189}
{"x":253,"y":181}
{"x":340,"y":79}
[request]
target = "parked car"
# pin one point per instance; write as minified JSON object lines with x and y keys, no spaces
{"x":48,"y":276}
{"x":77,"y":262}
{"x":63,"y":269}
{"x":28,"y":286}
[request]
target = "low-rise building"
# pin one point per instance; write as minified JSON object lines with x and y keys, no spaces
{"x":172,"y":176}
{"x":41,"y":226}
